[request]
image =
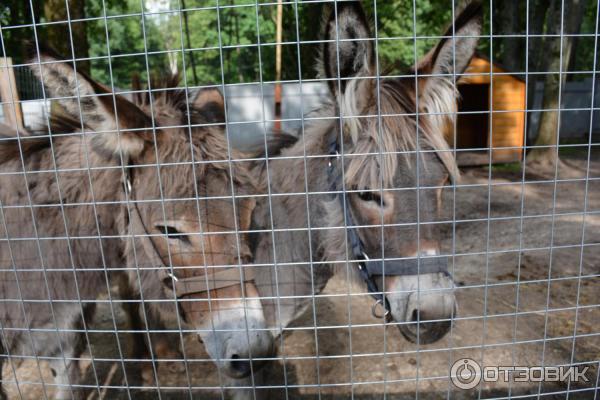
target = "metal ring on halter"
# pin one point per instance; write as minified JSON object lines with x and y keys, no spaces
{"x":374,"y":310}
{"x":336,"y":155}
{"x":128,"y":185}
{"x":172,"y":276}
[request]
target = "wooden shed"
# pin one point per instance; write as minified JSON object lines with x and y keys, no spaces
{"x":12,"y":114}
{"x":490,"y":88}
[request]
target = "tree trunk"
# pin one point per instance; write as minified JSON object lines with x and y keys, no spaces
{"x":59,"y":35}
{"x":538,"y":11}
{"x":238,"y":49}
{"x":548,"y":130}
{"x":279,"y":40}
{"x":189,"y":44}
{"x":509,"y":23}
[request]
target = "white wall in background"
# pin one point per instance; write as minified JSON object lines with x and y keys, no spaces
{"x":251,"y":111}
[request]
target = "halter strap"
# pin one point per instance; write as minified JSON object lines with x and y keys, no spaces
{"x":408,"y":266}
{"x":224,"y":277}
{"x":367,"y":268}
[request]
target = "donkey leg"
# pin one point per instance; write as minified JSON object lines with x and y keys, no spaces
{"x":134,"y":317}
{"x":66,"y":367}
{"x":136,"y":323}
{"x":141,"y":347}
{"x":164,"y":346}
{"x":66,"y":376}
{"x":167,"y":347}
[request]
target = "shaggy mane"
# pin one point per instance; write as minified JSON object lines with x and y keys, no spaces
{"x":398,"y":135}
{"x":12,"y":143}
{"x":167,"y":98}
{"x":166,"y":94}
{"x":435,"y":110}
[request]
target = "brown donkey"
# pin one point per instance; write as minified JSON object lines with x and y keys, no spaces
{"x":385,"y":161}
{"x":135,"y":186}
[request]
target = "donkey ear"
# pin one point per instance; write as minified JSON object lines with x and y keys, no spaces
{"x":81,"y":97}
{"x":210,"y":104}
{"x":454,"y":52}
{"x":347,"y":39}
{"x":450,"y":57}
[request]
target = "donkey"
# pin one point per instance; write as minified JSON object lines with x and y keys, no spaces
{"x":130,"y":185}
{"x":378,"y":148}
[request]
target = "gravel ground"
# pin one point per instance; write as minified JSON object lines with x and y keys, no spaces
{"x":509,"y":312}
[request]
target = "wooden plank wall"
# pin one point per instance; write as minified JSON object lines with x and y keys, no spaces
{"x":507,"y":105}
{"x":508,"y":118}
{"x":13,"y":114}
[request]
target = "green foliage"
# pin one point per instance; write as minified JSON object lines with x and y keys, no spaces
{"x":397,"y":30}
{"x":15,"y":13}
{"x":583,"y":50}
{"x":118,"y":44}
{"x":514,"y":167}
{"x":236,"y":43}
{"x":245,"y":48}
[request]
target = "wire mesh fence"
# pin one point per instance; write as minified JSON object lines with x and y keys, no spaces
{"x":299,"y":199}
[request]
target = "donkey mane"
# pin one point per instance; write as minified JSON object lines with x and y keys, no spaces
{"x":164,"y":91}
{"x":379,"y":149}
{"x":10,"y":148}
{"x":165,"y":97}
{"x":12,"y":143}
{"x":405,"y":119}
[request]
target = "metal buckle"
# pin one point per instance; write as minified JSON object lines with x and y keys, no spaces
{"x":172,"y":276}
{"x":374,"y":308}
{"x":361,"y":266}
{"x":128,"y":186}
{"x":336,"y":155}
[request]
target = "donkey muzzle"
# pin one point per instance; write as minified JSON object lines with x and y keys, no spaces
{"x":428,"y":316}
{"x":239,"y":342}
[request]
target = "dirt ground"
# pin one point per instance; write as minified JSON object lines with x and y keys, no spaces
{"x":510,"y":313}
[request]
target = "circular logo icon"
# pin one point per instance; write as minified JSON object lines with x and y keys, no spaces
{"x":465,"y":373}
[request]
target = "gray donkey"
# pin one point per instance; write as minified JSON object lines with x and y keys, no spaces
{"x":131,"y":185}
{"x":373,"y":165}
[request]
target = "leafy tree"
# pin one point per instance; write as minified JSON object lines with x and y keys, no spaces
{"x":236,"y":42}
{"x":396,"y":30}
{"x":118,"y":44}
{"x":14,"y":13}
{"x":558,"y":52}
{"x":63,"y":34}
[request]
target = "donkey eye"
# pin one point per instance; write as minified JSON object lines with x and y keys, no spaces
{"x":371,"y":196}
{"x":172,"y":233}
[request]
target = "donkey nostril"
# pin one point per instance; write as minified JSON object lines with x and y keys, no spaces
{"x":415,"y":315}
{"x":240,"y":366}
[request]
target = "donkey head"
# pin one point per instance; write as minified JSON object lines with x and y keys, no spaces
{"x":395,"y":160}
{"x":185,"y":206}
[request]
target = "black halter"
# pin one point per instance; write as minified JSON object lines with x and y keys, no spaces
{"x":367,"y":268}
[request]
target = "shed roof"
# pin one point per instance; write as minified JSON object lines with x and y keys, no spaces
{"x":497,"y":67}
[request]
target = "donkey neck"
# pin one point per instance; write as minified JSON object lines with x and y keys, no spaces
{"x":62,"y":170}
{"x":95,"y":177}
